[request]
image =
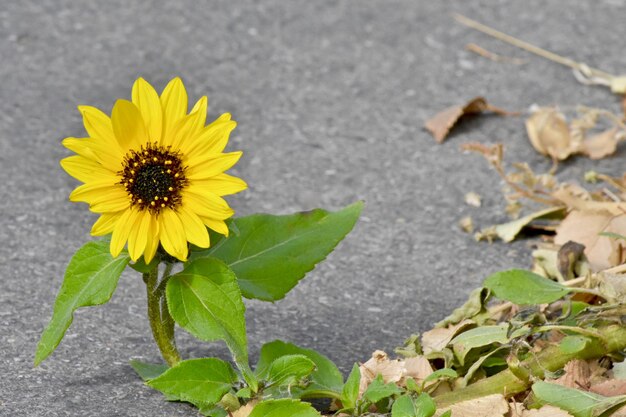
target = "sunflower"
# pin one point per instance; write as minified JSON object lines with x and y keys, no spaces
{"x":154,"y":173}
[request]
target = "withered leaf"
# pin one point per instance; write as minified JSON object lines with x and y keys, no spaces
{"x":549,"y":133}
{"x":440,"y":124}
{"x":490,"y":406}
{"x":509,"y":231}
{"x":610,"y":388}
{"x":585,"y":227}
{"x":436,"y":339}
{"x":601,"y":145}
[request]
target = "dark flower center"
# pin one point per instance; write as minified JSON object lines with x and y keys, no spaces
{"x":153,"y":177}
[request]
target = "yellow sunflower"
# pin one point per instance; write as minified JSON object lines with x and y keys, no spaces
{"x":153,"y":172}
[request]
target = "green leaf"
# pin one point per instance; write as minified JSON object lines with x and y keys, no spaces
{"x":350,"y":392}
{"x":326,"y":380}
{"x":573,"y":344}
{"x":444,"y":373}
{"x":148,"y":371}
{"x":524,"y":287}
{"x":283,"y":408}
{"x":447,"y":414}
{"x":142,"y":267}
{"x":403,"y":407}
{"x":204,"y":299}
{"x":424,"y":406}
{"x":90,"y":279}
{"x":482,"y":336}
{"x":272,"y":253}
{"x":612,"y":235}
{"x":377,"y":390}
{"x":288,"y":369}
{"x":198,"y":381}
{"x":578,"y":403}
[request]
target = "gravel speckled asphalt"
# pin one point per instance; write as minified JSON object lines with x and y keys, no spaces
{"x":330,"y":98}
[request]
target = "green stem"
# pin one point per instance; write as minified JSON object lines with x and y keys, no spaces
{"x":553,"y":358}
{"x":161,"y":321}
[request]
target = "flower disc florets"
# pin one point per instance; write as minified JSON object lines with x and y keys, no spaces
{"x":154,"y":178}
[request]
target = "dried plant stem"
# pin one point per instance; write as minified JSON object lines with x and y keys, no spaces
{"x":578,"y":66}
{"x":508,"y":382}
{"x":161,"y":321}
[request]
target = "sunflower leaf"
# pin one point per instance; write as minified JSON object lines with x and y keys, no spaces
{"x":90,"y":279}
{"x":198,"y":381}
{"x":205,"y":300}
{"x":272,"y":253}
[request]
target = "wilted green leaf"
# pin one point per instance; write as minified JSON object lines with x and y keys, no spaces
{"x":481,"y":336}
{"x":474,"y":305}
{"x":509,"y":231}
{"x":204,"y":299}
{"x":444,"y":373}
{"x":350,"y":392}
{"x":524,"y":287}
{"x":573,"y":344}
{"x":90,"y":279}
{"x":377,"y":390}
{"x":287,"y":369}
{"x":273,"y":253}
{"x":283,"y":408}
{"x":576,"y":402}
{"x":326,"y":380}
{"x":198,"y":381}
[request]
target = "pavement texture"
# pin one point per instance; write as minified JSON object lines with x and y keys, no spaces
{"x":330,"y":98}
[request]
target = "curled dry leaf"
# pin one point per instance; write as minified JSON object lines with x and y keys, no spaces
{"x":584,"y":227}
{"x":610,"y":388}
{"x":490,"y":406}
{"x":577,"y":375}
{"x":551,"y":135}
{"x":545,"y":411}
{"x":441,"y":123}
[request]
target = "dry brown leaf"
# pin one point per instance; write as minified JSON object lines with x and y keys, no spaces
{"x":584,"y":227}
{"x":611,"y":286}
{"x":577,"y":374}
{"x":418,"y":368}
{"x":549,"y":133}
{"x":601,"y":145}
{"x":490,"y":406}
{"x":610,"y":388}
{"x":545,"y":411}
{"x":436,"y":339}
{"x":440,"y":124}
{"x":379,"y":363}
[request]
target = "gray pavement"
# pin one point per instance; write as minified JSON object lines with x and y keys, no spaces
{"x":330,"y":98}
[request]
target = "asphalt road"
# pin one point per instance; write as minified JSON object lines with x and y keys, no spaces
{"x":330,"y":98}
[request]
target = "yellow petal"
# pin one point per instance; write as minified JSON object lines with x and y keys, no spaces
{"x":109,"y":155}
{"x":128,"y":125}
{"x":97,"y":124}
{"x":222,"y":184}
{"x":206,"y":204}
{"x":106,"y":223}
{"x":210,"y":140}
{"x":113,"y":202}
{"x":218,"y":225}
{"x":172,"y":234}
{"x":147,"y":100}
{"x":174,"y":104}
{"x":139,"y":235}
{"x":181,"y":131}
{"x":195,"y":231}
{"x":153,"y":240}
{"x":212,"y":166}
{"x":122,"y":230}
{"x":86,"y":170}
{"x":97,"y":191}
{"x":200,"y":109}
